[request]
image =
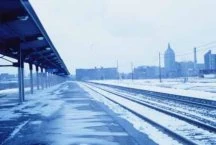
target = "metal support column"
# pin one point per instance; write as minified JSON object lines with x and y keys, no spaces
{"x":51,"y":79}
{"x":37,"y":77}
{"x":20,"y":84}
{"x":46,"y":78}
{"x":21,"y":76}
{"x":23,"y":80}
{"x":42,"y":78}
{"x":31,"y":78}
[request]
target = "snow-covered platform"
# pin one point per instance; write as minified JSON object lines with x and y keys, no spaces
{"x":66,"y":115}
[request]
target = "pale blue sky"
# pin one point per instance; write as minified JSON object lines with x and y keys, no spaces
{"x":90,"y":33}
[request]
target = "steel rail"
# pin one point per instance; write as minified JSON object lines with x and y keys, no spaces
{"x":158,"y":95}
{"x":184,"y":118}
{"x":159,"y":126}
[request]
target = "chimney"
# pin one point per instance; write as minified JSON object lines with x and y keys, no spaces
{"x":195,"y":59}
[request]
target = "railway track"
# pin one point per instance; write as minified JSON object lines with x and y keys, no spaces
{"x":207,"y":108}
{"x":202,"y":120}
{"x":180,"y":99}
{"x":205,"y":132}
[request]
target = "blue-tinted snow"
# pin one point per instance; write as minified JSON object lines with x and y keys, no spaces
{"x":198,"y":88}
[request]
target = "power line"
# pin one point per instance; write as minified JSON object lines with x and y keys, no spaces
{"x":200,"y":48}
{"x":206,"y":44}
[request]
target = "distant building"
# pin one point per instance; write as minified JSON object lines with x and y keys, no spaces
{"x":97,"y":74}
{"x":209,"y":64}
{"x":186,"y":68}
{"x":143,"y":72}
{"x":7,"y":81}
{"x":210,"y":61}
{"x":200,"y":66}
{"x":169,"y":62}
{"x":7,"y":77}
{"x":172,"y":68}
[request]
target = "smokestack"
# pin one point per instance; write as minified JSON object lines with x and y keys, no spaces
{"x":195,"y":60}
{"x":195,"y":56}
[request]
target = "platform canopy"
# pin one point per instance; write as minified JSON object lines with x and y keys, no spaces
{"x":21,"y":29}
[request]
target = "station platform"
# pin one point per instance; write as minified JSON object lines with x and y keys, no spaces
{"x":67,"y":115}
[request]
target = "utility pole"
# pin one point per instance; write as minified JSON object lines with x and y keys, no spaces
{"x":132,"y":71}
{"x":118,"y":76}
{"x":195,"y":62}
{"x":160,"y":68}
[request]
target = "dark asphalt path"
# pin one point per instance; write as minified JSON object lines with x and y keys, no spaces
{"x":80,"y":121}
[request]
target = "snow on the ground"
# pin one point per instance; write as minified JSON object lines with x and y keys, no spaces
{"x":37,"y":122}
{"x":195,"y":87}
{"x":174,"y":107}
{"x":144,"y":127}
{"x":181,"y":127}
{"x":9,"y":91}
{"x":81,"y":123}
{"x":16,"y":130}
{"x":13,"y":90}
{"x":44,"y":102}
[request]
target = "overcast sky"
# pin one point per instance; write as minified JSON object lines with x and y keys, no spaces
{"x":90,"y":33}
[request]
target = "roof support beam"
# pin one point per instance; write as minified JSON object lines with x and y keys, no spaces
{"x":11,"y":16}
{"x":22,"y":31}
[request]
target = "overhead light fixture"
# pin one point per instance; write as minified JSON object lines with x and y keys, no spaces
{"x":23,"y":18}
{"x":15,"y":52}
{"x":40,"y":38}
{"x":27,"y":58}
{"x":48,"y":48}
{"x":52,"y":54}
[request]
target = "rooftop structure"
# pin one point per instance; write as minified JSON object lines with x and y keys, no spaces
{"x":23,"y":38}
